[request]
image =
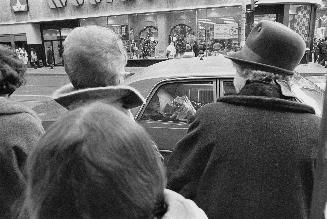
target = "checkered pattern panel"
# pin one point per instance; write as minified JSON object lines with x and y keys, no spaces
{"x":300,"y":22}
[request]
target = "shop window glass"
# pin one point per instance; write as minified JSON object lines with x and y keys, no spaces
{"x":99,"y":21}
{"x":145,"y":33}
{"x":51,"y":34}
{"x":202,"y":31}
{"x":65,"y":32}
{"x":123,"y":26}
{"x":268,"y":17}
{"x":220,"y":30}
{"x":148,"y":40}
{"x":182,"y":30}
{"x":299,"y":20}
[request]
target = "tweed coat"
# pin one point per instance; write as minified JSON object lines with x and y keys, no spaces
{"x":248,"y":156}
{"x":20,"y":130}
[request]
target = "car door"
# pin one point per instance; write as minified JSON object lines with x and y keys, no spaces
{"x":158,"y":116}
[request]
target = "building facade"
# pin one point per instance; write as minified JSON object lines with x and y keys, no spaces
{"x":148,"y":26}
{"x":321,"y":21}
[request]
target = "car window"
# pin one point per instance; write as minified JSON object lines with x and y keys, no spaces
{"x":227,"y":87}
{"x":178,"y":101}
{"x":307,"y":92}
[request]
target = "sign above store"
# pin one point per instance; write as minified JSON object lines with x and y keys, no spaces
{"x":63,"y":3}
{"x":94,"y":2}
{"x":19,"y":5}
{"x":78,"y":2}
{"x":225,"y":31}
{"x":57,"y":3}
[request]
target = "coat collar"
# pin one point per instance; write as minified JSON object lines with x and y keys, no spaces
{"x":10,"y":107}
{"x":125,"y":96}
{"x":266,"y":95}
{"x":270,"y":103}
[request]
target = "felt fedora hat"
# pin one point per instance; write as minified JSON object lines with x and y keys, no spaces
{"x":271,"y":46}
{"x":126,"y":96}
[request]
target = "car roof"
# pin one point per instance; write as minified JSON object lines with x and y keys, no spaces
{"x":211,"y":66}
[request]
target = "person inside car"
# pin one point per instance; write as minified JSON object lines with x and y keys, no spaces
{"x":251,"y":155}
{"x":95,"y":162}
{"x":170,"y":105}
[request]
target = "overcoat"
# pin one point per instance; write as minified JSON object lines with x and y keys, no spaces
{"x":20,"y":130}
{"x":248,"y":156}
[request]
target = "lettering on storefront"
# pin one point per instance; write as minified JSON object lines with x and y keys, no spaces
{"x":63,"y":3}
{"x":94,"y":2}
{"x":57,"y":3}
{"x":77,"y":2}
{"x":19,"y":5}
{"x":225,"y":31}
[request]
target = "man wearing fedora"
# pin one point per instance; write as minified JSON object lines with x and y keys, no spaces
{"x":251,"y":155}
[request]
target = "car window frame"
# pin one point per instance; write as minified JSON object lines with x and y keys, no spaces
{"x":221,"y":85}
{"x":152,"y":92}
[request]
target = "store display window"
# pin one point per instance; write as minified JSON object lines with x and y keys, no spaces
{"x":219,"y":30}
{"x":51,"y":34}
{"x":299,"y":20}
{"x":201,"y":31}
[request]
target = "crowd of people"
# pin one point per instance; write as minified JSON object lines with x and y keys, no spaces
{"x":320,"y":51}
{"x":249,"y":155}
{"x":22,"y":54}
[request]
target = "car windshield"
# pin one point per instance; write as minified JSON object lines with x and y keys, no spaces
{"x":307,"y":92}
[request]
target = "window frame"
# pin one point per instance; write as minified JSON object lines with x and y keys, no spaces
{"x":221,"y":85}
{"x":153,"y":91}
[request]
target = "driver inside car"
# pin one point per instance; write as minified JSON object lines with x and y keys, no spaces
{"x":165,"y":106}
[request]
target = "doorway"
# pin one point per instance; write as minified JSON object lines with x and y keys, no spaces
{"x":56,"y":47}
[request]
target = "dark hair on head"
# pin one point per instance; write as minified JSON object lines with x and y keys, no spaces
{"x":95,"y":162}
{"x":12,"y":70}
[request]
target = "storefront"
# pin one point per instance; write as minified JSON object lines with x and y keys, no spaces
{"x":147,"y":27}
{"x":321,"y":22}
{"x":147,"y":35}
{"x":53,"y":35}
{"x":208,"y":30}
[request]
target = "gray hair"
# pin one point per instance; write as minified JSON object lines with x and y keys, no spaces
{"x":94,"y":56}
{"x":258,"y":75}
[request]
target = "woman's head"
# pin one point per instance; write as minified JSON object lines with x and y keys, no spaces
{"x":12,"y":71}
{"x":95,"y":162}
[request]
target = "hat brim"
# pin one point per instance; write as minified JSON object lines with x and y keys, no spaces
{"x":126,"y":96}
{"x":239,"y":57}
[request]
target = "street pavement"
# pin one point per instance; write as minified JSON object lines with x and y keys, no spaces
{"x":59,"y":70}
{"x":304,"y":69}
{"x":311,"y":69}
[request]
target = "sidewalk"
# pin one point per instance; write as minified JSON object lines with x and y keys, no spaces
{"x":305,"y":69}
{"x":60,"y":70}
{"x":313,"y":69}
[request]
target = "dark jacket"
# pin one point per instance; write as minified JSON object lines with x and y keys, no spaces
{"x":49,"y":56}
{"x":20,"y":131}
{"x":248,"y":156}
